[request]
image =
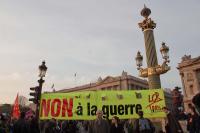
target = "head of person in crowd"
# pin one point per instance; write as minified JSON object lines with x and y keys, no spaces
{"x":115,"y":120}
{"x":29,"y":118}
{"x":189,"y":115}
{"x":190,"y":105}
{"x":22,"y":115}
{"x":53,"y":120}
{"x":192,"y":111}
{"x":166,"y":110}
{"x":99,"y":114}
{"x":1,"y":119}
{"x":141,"y":114}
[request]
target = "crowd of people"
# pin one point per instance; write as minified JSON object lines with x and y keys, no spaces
{"x":99,"y":125}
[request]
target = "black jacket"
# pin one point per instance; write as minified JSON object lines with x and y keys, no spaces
{"x":173,"y":125}
{"x":21,"y":126}
{"x":118,"y":129}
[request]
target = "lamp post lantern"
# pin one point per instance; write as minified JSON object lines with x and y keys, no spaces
{"x":139,"y":60}
{"x":153,"y":70}
{"x":164,"y":50}
{"x":42,"y":70}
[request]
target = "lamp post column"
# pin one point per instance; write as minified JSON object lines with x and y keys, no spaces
{"x":147,"y":26}
{"x":152,"y":62}
{"x":153,"y":70}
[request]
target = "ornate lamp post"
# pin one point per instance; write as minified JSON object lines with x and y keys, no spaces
{"x":42,"y":70}
{"x":42,"y":73}
{"x":153,"y":70}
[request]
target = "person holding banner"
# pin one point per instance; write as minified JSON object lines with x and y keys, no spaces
{"x":99,"y":125}
{"x":116,"y":127}
{"x":21,"y":126}
{"x":143,"y":125}
{"x":172,"y":124}
{"x":194,"y":121}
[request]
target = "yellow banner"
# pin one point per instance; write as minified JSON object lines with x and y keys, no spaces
{"x":83,"y":105}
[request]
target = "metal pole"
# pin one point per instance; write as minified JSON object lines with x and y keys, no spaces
{"x":154,"y":79}
{"x":40,"y":81}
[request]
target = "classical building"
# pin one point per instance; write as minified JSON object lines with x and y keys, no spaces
{"x":189,"y":70}
{"x":123,"y":82}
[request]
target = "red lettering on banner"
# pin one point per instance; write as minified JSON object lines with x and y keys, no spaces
{"x":45,"y":107}
{"x":54,"y":105}
{"x":153,"y":99}
{"x":67,"y":107}
{"x":55,"y":108}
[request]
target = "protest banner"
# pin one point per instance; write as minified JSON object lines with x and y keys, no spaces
{"x":83,"y":105}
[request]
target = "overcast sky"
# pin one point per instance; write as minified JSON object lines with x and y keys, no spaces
{"x":89,"y":37}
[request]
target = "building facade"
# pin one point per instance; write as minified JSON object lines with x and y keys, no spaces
{"x":189,"y":70}
{"x":168,"y":98}
{"x":123,"y":82}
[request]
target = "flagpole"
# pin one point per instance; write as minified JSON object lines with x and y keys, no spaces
{"x":75,"y":79}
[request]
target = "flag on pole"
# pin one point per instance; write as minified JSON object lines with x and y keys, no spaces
{"x":16,"y":111}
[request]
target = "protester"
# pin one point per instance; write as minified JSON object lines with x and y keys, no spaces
{"x":10,"y":125}
{"x":189,"y":123}
{"x":193,"y":121}
{"x":116,"y":127}
{"x":71,"y":127}
{"x":143,"y":125}
{"x":50,"y":126}
{"x":128,"y":126}
{"x":2,"y":124}
{"x":99,"y":125}
{"x":82,"y":127}
{"x":34,"y":127}
{"x":172,"y":124}
{"x":196,"y":102}
{"x":86,"y":126}
{"x":21,"y":126}
{"x":63,"y":126}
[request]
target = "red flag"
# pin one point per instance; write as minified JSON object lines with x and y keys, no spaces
{"x":16,"y":111}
